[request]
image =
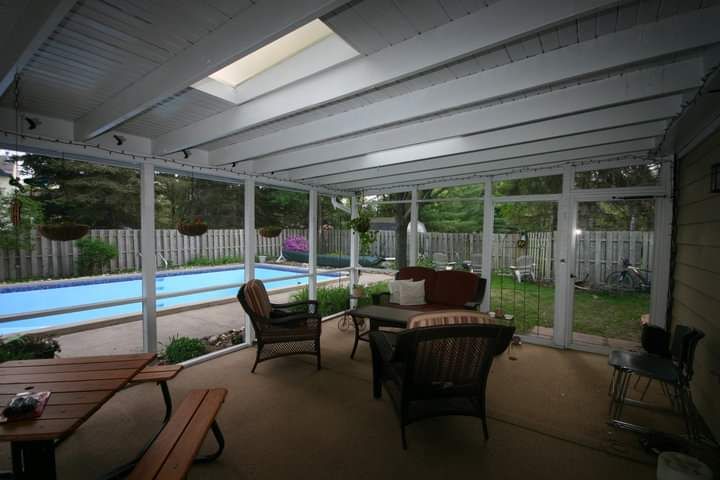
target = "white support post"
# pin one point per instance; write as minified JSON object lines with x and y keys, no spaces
{"x":249,"y":233}
{"x":413,"y":250}
{"x":147,"y":244}
{"x":354,"y":250}
{"x":564,"y":263}
{"x":312,"y":244}
{"x":663,"y":244}
{"x":487,"y":243}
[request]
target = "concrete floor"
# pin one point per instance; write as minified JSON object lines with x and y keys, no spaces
{"x":547,"y":421}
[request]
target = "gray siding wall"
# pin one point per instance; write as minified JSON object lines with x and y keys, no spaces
{"x":697,"y":271}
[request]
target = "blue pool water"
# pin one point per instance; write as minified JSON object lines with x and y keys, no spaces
{"x":29,"y":298}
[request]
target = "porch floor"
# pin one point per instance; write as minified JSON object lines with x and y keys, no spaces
{"x":547,"y":420}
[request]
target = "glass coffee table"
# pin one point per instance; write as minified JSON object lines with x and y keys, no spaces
{"x":377,"y":316}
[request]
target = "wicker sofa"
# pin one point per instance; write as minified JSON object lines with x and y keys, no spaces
{"x":444,"y":289}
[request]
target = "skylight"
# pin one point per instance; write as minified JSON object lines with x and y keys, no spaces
{"x":303,"y":52}
{"x":273,"y":53}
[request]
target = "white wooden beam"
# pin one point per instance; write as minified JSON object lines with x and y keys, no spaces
{"x":255,"y":27}
{"x":521,"y":149}
{"x":149,"y":261}
{"x":413,"y":240}
{"x":640,"y":112}
{"x":249,"y":239}
{"x":21,"y":39}
{"x":312,"y":244}
{"x":492,"y":26}
{"x":626,"y":47}
{"x":486,"y":168}
{"x":631,"y":87}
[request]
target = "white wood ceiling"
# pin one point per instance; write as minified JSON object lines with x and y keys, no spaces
{"x":103,"y":48}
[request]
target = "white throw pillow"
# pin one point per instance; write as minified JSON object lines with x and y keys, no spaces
{"x":394,"y":287}
{"x":412,"y":293}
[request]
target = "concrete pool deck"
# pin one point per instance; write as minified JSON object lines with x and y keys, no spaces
{"x":198,"y":322}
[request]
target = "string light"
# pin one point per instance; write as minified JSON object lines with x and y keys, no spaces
{"x":135,"y":156}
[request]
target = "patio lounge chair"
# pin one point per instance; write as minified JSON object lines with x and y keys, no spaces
{"x":436,"y":370}
{"x":524,"y":268}
{"x":279,"y":330}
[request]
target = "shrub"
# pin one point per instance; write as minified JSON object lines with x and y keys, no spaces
{"x":28,"y":347}
{"x":336,"y":299}
{"x":180,"y":349}
{"x":297,"y":243}
{"x":205,"y":261}
{"x":94,"y":255}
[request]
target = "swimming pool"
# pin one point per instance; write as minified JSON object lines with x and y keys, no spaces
{"x":18,"y":299}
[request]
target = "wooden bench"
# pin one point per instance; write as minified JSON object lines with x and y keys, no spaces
{"x":159,"y":374}
{"x":173,"y":452}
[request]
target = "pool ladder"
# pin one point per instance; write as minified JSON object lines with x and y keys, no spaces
{"x":162,"y":259}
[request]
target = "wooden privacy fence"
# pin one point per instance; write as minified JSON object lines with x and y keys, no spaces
{"x":597,"y":254}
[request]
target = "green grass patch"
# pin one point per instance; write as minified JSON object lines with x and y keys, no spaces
{"x":612,"y":314}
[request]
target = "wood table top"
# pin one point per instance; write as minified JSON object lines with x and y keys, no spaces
{"x":79,"y":386}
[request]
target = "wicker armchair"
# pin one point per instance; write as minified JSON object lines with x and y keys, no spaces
{"x":279,"y":329}
{"x":437,"y":370}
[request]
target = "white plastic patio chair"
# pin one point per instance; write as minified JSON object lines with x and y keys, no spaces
{"x":525,"y":268}
{"x":476,"y":263}
{"x":440,"y":261}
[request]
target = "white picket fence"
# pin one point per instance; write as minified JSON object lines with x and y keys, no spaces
{"x":598,"y":253}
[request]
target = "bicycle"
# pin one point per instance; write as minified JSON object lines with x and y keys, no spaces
{"x":629,"y":278}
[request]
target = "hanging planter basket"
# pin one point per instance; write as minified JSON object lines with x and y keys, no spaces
{"x":192,"y":229}
{"x":270,"y":232}
{"x":63,"y":232}
{"x":360,"y":224}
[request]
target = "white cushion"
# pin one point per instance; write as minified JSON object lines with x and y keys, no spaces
{"x":412,"y":293}
{"x":394,"y":287}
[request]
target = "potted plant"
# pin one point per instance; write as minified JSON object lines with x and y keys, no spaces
{"x":270,"y":231}
{"x":28,"y":347}
{"x":262,"y":258}
{"x":193,"y":229}
{"x":63,"y":230}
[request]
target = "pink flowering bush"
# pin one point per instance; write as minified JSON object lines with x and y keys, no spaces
{"x":297,"y":243}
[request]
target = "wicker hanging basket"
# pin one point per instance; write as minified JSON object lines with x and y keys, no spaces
{"x":270,"y":232}
{"x":192,"y":229}
{"x":63,"y":232}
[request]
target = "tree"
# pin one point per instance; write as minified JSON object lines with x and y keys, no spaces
{"x":101,"y":196}
{"x":18,"y":235}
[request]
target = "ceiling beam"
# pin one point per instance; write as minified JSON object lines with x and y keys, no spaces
{"x":518,"y":150}
{"x":243,"y":34}
{"x":627,"y":47}
{"x":532,"y":161}
{"x":627,"y":88}
{"x":640,"y":112}
{"x":490,"y":27}
{"x":20,"y":40}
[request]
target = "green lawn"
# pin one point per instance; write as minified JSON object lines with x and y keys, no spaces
{"x":608,"y":314}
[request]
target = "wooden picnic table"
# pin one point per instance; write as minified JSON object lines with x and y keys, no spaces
{"x":79,"y":386}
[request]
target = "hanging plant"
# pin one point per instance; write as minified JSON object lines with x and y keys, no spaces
{"x":270,"y":232}
{"x":361,"y":224}
{"x":192,"y":229}
{"x":63,"y":231}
